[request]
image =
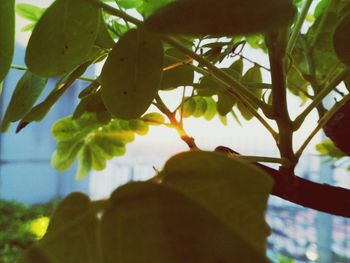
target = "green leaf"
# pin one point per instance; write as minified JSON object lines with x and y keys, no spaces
{"x":223,"y":119}
{"x":84,"y":163}
{"x":251,"y":78}
{"x":92,"y":142}
{"x":128,"y":4}
{"x":341,"y":40}
{"x":188,"y":108}
{"x":7,"y":36}
{"x":65,"y":154}
{"x":154,"y":118}
{"x":226,"y":17}
{"x":139,"y":126}
{"x":184,"y":219}
{"x":211,"y":108}
{"x":180,"y":75}
{"x":201,"y":106}
{"x":243,"y":188}
{"x":328,"y":148}
{"x":103,"y":38}
{"x":30,"y":12}
{"x":225,"y":103}
{"x":27,"y":91}
{"x":150,"y":6}
{"x":132,"y":73}
{"x":237,"y":66}
{"x":64,"y":35}
{"x":41,"y":110}
{"x":71,"y":235}
{"x":296,"y":83}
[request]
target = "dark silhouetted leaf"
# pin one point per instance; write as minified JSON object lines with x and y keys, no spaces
{"x":225,"y":17}
{"x":27,"y":91}
{"x":341,"y":40}
{"x":7,"y":36}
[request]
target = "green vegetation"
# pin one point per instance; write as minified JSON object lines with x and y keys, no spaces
{"x":21,"y":225}
{"x":203,"y":206}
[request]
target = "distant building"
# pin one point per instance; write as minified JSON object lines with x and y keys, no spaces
{"x":25,"y":171}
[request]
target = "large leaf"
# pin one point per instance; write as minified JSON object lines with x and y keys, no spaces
{"x":71,"y":236}
{"x":27,"y":91}
{"x":341,"y":40}
{"x":225,"y":17}
{"x":64,"y":35}
{"x":233,"y":190}
{"x":132,"y":73}
{"x":148,"y":7}
{"x":202,"y":212}
{"x":7,"y":36}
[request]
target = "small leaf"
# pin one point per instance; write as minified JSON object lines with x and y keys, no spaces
{"x":180,"y":75}
{"x":201,"y":106}
{"x":150,"y":6}
{"x":211,"y":108}
{"x":27,"y":91}
{"x":223,"y":119}
{"x":65,"y":154}
{"x":132,"y":73}
{"x":64,"y":35}
{"x":41,"y":110}
{"x":154,"y":118}
{"x":7,"y":36}
{"x":188,"y":108}
{"x":225,"y":17}
{"x":104,"y":39}
{"x":225,"y":103}
{"x":84,"y":163}
{"x":237,"y":66}
{"x":128,"y":4}
{"x":139,"y":126}
{"x":341,"y":40}
{"x":30,"y":12}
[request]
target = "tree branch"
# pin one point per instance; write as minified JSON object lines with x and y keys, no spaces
{"x":321,"y":197}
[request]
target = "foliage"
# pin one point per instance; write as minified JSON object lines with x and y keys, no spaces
{"x":16,"y":223}
{"x":198,"y":46}
{"x":155,"y":212}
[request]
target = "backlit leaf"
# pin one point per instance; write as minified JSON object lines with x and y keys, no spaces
{"x":64,"y":35}
{"x":132,"y":73}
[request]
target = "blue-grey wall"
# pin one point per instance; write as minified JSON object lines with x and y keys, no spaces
{"x":25,"y":171}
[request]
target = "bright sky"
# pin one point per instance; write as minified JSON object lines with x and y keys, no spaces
{"x":250,"y":138}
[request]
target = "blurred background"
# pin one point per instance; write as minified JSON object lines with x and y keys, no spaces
{"x":30,"y":187}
